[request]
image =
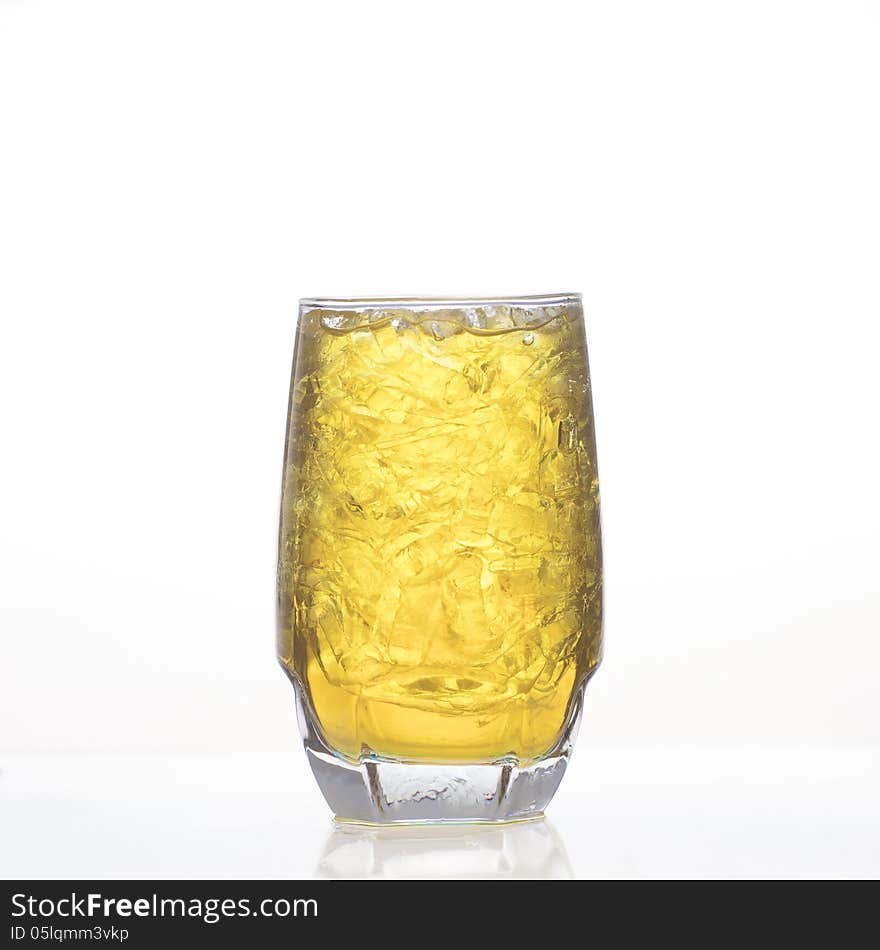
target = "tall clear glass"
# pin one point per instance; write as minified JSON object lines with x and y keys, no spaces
{"x":440,"y":566}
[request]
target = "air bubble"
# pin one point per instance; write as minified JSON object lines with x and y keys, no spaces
{"x":528,"y":339}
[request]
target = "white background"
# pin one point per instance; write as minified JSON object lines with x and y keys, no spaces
{"x":174,"y":175}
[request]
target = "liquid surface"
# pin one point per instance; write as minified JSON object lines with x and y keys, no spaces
{"x":439,"y":584}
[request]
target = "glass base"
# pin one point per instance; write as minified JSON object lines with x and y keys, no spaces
{"x":379,"y":790}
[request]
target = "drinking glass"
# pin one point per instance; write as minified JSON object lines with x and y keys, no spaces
{"x":440,"y":567}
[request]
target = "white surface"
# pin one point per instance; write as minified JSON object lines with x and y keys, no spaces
{"x":174,"y":174}
{"x":640,"y":813}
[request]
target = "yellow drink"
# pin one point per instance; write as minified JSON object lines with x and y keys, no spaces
{"x":440,"y":561}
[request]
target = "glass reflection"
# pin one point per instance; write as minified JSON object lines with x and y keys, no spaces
{"x":529,"y":850}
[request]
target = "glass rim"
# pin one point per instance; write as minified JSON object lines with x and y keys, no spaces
{"x":438,"y":302}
